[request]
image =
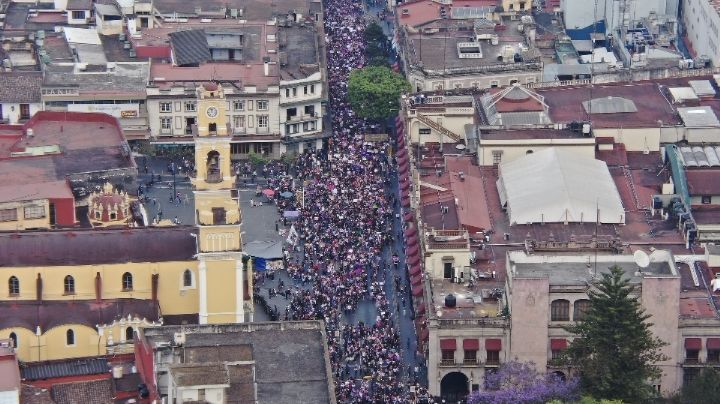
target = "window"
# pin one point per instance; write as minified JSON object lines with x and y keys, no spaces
{"x":262,"y":121}
{"x":127,"y":281}
{"x":493,"y":357}
{"x":706,"y":199}
{"x":129,"y":334}
{"x":70,"y":337}
{"x":240,"y":148}
{"x":34,"y":212}
{"x":494,"y":84}
{"x":560,"y":310}
{"x":239,"y":122}
{"x":24,"y":111}
{"x":557,"y":354}
{"x":310,"y":110}
{"x":14,"y":339}
{"x":470,"y":356}
{"x":166,"y":123}
{"x":424,"y":131}
{"x":292,"y":129}
{"x":713,"y":355}
{"x":238,"y":105}
{"x":69,"y":285}
{"x":305,"y":90}
{"x":312,"y":88}
{"x":165,"y":107}
{"x":187,"y":278}
{"x":190,"y":106}
{"x":294,"y":92}
{"x":78,"y":15}
{"x":448,"y":356}
{"x":692,"y":355}
{"x":8,"y":215}
{"x":497,"y":156}
{"x":262,"y":105}
{"x":13,"y":286}
{"x":309,"y":126}
{"x":287,"y":92}
{"x":580,"y":309}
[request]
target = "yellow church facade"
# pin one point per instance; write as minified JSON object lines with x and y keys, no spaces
{"x":85,"y":292}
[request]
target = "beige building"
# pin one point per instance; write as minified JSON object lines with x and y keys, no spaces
{"x":469,"y":53}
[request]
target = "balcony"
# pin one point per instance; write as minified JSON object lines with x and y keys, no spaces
{"x":301,"y":118}
{"x":447,"y":362}
{"x":214,"y":178}
{"x":470,"y":362}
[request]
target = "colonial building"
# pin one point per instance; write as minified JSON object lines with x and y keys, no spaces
{"x":280,"y":362}
{"x":224,"y":284}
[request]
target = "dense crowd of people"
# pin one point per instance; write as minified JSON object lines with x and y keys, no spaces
{"x":345,"y":228}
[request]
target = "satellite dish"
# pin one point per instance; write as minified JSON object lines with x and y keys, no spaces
{"x":460,"y":146}
{"x":641,"y":259}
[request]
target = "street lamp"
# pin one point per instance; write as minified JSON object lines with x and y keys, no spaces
{"x":174,"y":194}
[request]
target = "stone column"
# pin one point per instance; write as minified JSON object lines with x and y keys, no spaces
{"x":202,"y":284}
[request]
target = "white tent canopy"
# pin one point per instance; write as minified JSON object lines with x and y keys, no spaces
{"x":558,"y":186}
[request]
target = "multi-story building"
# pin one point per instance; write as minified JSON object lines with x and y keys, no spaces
{"x":701,"y":19}
{"x":273,"y":77}
{"x":225,"y":362}
{"x":470,"y":53}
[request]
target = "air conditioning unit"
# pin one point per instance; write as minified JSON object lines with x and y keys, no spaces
{"x":179,"y":338}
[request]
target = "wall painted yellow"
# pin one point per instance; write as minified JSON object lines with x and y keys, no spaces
{"x":21,"y":223}
{"x":174,"y":298}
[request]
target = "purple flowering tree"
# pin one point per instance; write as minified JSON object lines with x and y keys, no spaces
{"x":517,"y":382}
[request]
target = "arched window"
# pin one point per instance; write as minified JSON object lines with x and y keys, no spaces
{"x":187,"y":278}
{"x":69,"y":285}
{"x":580,"y":309}
{"x":560,"y":310}
{"x":14,"y":339}
{"x":70,"y":337}
{"x":127,"y":281}
{"x":529,"y":152}
{"x":129,"y":334}
{"x":13,"y":286}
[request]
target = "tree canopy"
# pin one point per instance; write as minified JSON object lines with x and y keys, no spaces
{"x":702,"y":389}
{"x":520,"y":383}
{"x":615,"y":351}
{"x":374,"y":92}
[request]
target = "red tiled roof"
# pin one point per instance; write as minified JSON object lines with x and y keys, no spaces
{"x":250,"y":74}
{"x":703,"y":181}
{"x":423,"y":11}
{"x":652,"y":108}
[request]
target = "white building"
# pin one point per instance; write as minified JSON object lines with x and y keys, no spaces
{"x":702,"y":21}
{"x":19,"y":96}
{"x":579,"y":14}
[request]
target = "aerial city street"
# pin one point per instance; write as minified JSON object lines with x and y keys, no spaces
{"x":360,"y":201}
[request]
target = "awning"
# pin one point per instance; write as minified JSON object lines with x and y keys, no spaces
{"x":405,"y":185}
{"x":408,"y":217}
{"x":424,"y":334}
{"x":410,"y":241}
{"x":448,"y":344}
{"x":417,"y":291}
{"x":405,"y":202}
{"x":415,"y":269}
{"x":713,"y":343}
{"x":414,"y":260}
{"x":410,"y":231}
{"x":471,"y":344}
{"x":557,"y":344}
{"x":493,"y":344}
{"x":420,"y":309}
{"x":402,"y":157}
{"x":416,"y":280}
{"x":405,"y":193}
{"x":693,"y":343}
{"x":413,"y":250}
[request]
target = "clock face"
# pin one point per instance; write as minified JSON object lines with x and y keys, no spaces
{"x":212,"y":112}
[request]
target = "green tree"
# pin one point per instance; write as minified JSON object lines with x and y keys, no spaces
{"x":615,"y":352}
{"x":702,"y":389}
{"x":374,"y":92}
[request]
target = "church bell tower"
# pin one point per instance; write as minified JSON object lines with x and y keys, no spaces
{"x":225,"y":284}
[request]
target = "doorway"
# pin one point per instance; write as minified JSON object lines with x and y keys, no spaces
{"x":454,"y":387}
{"x":189,"y":123}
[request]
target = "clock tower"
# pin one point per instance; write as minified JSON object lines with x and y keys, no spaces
{"x":225,"y":279}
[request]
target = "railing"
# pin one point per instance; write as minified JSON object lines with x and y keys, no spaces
{"x":300,"y":118}
{"x":449,"y":233}
{"x":490,"y":322}
{"x":448,"y":245}
{"x":214,"y":178}
{"x":447,"y":362}
{"x":692,"y":361}
{"x":492,"y":362}
{"x":472,"y":362}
